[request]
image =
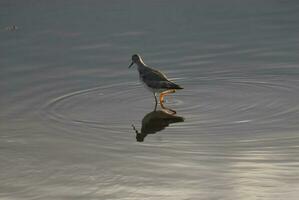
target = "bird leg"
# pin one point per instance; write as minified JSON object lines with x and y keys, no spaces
{"x":169,"y":111}
{"x":161,"y":98}
{"x":155,"y":101}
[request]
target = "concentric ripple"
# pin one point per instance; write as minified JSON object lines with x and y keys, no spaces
{"x":209,"y":105}
{"x":103,"y":107}
{"x":240,"y":104}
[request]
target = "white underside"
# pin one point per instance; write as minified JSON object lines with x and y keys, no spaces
{"x":152,"y":90}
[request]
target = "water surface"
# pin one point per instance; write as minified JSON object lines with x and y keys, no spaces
{"x":72,"y":115}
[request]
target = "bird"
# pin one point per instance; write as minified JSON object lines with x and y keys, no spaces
{"x":154,"y":80}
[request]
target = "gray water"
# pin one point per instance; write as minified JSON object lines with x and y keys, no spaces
{"x":69,"y":102}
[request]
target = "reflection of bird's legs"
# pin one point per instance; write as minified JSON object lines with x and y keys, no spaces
{"x":155,"y":101}
{"x":168,"y":110}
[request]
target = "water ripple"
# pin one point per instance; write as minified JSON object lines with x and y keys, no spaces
{"x":210,"y":105}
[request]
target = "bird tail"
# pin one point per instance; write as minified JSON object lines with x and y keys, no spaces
{"x":175,"y":86}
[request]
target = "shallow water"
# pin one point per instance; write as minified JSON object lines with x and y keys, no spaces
{"x":73,"y":115}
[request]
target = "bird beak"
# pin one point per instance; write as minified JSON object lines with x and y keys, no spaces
{"x":131,"y":64}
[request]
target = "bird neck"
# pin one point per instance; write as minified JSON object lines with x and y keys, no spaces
{"x":140,"y":63}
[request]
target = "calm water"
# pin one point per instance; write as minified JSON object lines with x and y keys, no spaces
{"x":69,"y":102}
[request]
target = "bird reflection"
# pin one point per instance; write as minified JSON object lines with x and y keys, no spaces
{"x":154,"y":122}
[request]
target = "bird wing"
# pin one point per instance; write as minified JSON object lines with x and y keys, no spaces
{"x":156,"y":79}
{"x":150,"y":74}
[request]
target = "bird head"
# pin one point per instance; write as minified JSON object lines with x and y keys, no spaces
{"x":135,"y":59}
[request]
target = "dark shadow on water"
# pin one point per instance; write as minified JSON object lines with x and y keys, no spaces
{"x":154,"y":122}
